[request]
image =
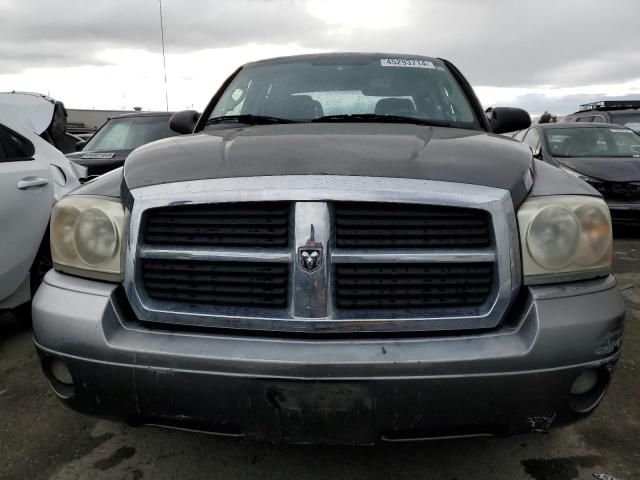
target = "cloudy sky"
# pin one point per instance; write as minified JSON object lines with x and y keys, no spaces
{"x":541,"y":55}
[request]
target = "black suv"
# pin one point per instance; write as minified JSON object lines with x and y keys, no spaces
{"x":118,"y":137}
{"x":621,"y":112}
{"x":606,"y":156}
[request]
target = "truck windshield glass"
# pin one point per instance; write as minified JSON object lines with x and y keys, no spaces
{"x":593,"y":142}
{"x":129,"y":133}
{"x":303,"y":91}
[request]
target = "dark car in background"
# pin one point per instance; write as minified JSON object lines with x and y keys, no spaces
{"x":604,"y":155}
{"x":621,"y":112}
{"x":118,"y":137}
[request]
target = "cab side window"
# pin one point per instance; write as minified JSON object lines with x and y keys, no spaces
{"x":13,"y":147}
{"x":598,"y":119}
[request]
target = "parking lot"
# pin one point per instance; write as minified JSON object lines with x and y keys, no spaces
{"x":43,"y":439}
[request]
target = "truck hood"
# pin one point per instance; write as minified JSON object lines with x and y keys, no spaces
{"x":360,"y":149}
{"x":626,"y":169}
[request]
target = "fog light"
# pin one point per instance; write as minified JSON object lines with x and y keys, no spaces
{"x":585,"y":382}
{"x":60,"y":372}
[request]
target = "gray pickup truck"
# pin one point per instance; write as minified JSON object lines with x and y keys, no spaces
{"x":341,"y":250}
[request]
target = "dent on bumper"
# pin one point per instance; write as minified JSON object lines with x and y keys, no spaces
{"x":331,"y":390}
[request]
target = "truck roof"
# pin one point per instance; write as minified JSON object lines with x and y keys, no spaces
{"x":342,"y":57}
{"x":607,"y":105}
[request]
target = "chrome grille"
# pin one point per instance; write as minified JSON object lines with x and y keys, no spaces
{"x":439,"y":256}
{"x":219,"y":225}
{"x":216,"y":283}
{"x":384,"y":225}
{"x":407,"y":286}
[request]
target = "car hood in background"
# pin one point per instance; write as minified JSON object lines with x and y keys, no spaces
{"x":32,"y":110}
{"x":625,"y":169}
{"x":359,"y":149}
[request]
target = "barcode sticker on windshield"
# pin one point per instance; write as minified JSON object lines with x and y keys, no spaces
{"x":99,"y":155}
{"x":406,"y":62}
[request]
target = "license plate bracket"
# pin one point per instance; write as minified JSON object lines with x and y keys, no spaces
{"x":313,"y":412}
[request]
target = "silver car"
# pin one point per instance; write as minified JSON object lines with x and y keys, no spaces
{"x":33,"y":176}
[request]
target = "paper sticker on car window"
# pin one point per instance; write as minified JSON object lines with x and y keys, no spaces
{"x":406,"y":62}
{"x":99,"y":155}
{"x":618,"y":130}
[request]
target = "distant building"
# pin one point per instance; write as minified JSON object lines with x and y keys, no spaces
{"x":88,"y":121}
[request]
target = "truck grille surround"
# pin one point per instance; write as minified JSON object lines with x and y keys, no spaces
{"x":322,"y":255}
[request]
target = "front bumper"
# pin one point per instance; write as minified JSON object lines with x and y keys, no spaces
{"x":357,"y":390}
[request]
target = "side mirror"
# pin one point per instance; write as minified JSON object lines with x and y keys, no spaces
{"x":80,"y":145}
{"x":507,"y":119}
{"x":184,"y":121}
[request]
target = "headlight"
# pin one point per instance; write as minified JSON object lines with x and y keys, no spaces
{"x":86,"y":236}
{"x":564,"y":238}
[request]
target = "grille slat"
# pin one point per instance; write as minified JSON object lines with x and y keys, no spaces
{"x":222,"y":279}
{"x":405,"y":303}
{"x":386,"y":225}
{"x":392,"y":232}
{"x":214,"y":241}
{"x":264,"y":224}
{"x":217,"y":287}
{"x":216,"y":283}
{"x":363,"y":283}
{"x":620,"y":191}
{"x":412,"y":286}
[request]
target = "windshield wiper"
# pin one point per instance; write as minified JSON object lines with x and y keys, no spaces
{"x":378,"y":118}
{"x":250,"y":120}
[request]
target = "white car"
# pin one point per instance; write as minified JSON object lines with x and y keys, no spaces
{"x":41,"y":114}
{"x":33,"y":176}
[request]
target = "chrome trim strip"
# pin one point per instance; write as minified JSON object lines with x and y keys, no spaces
{"x":215,"y":254}
{"x":435,"y":437}
{"x":306,"y":188}
{"x":412,"y":256}
{"x":309,"y":290}
{"x":317,"y":188}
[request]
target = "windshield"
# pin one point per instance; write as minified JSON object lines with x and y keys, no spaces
{"x":303,"y":91}
{"x":631,"y":121}
{"x":593,"y":142}
{"x":129,"y":132}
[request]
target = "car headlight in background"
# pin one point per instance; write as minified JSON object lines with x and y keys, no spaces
{"x":86,"y":236}
{"x":564,"y":238}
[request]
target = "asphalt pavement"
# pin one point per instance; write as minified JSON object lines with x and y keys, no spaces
{"x":42,"y":439}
